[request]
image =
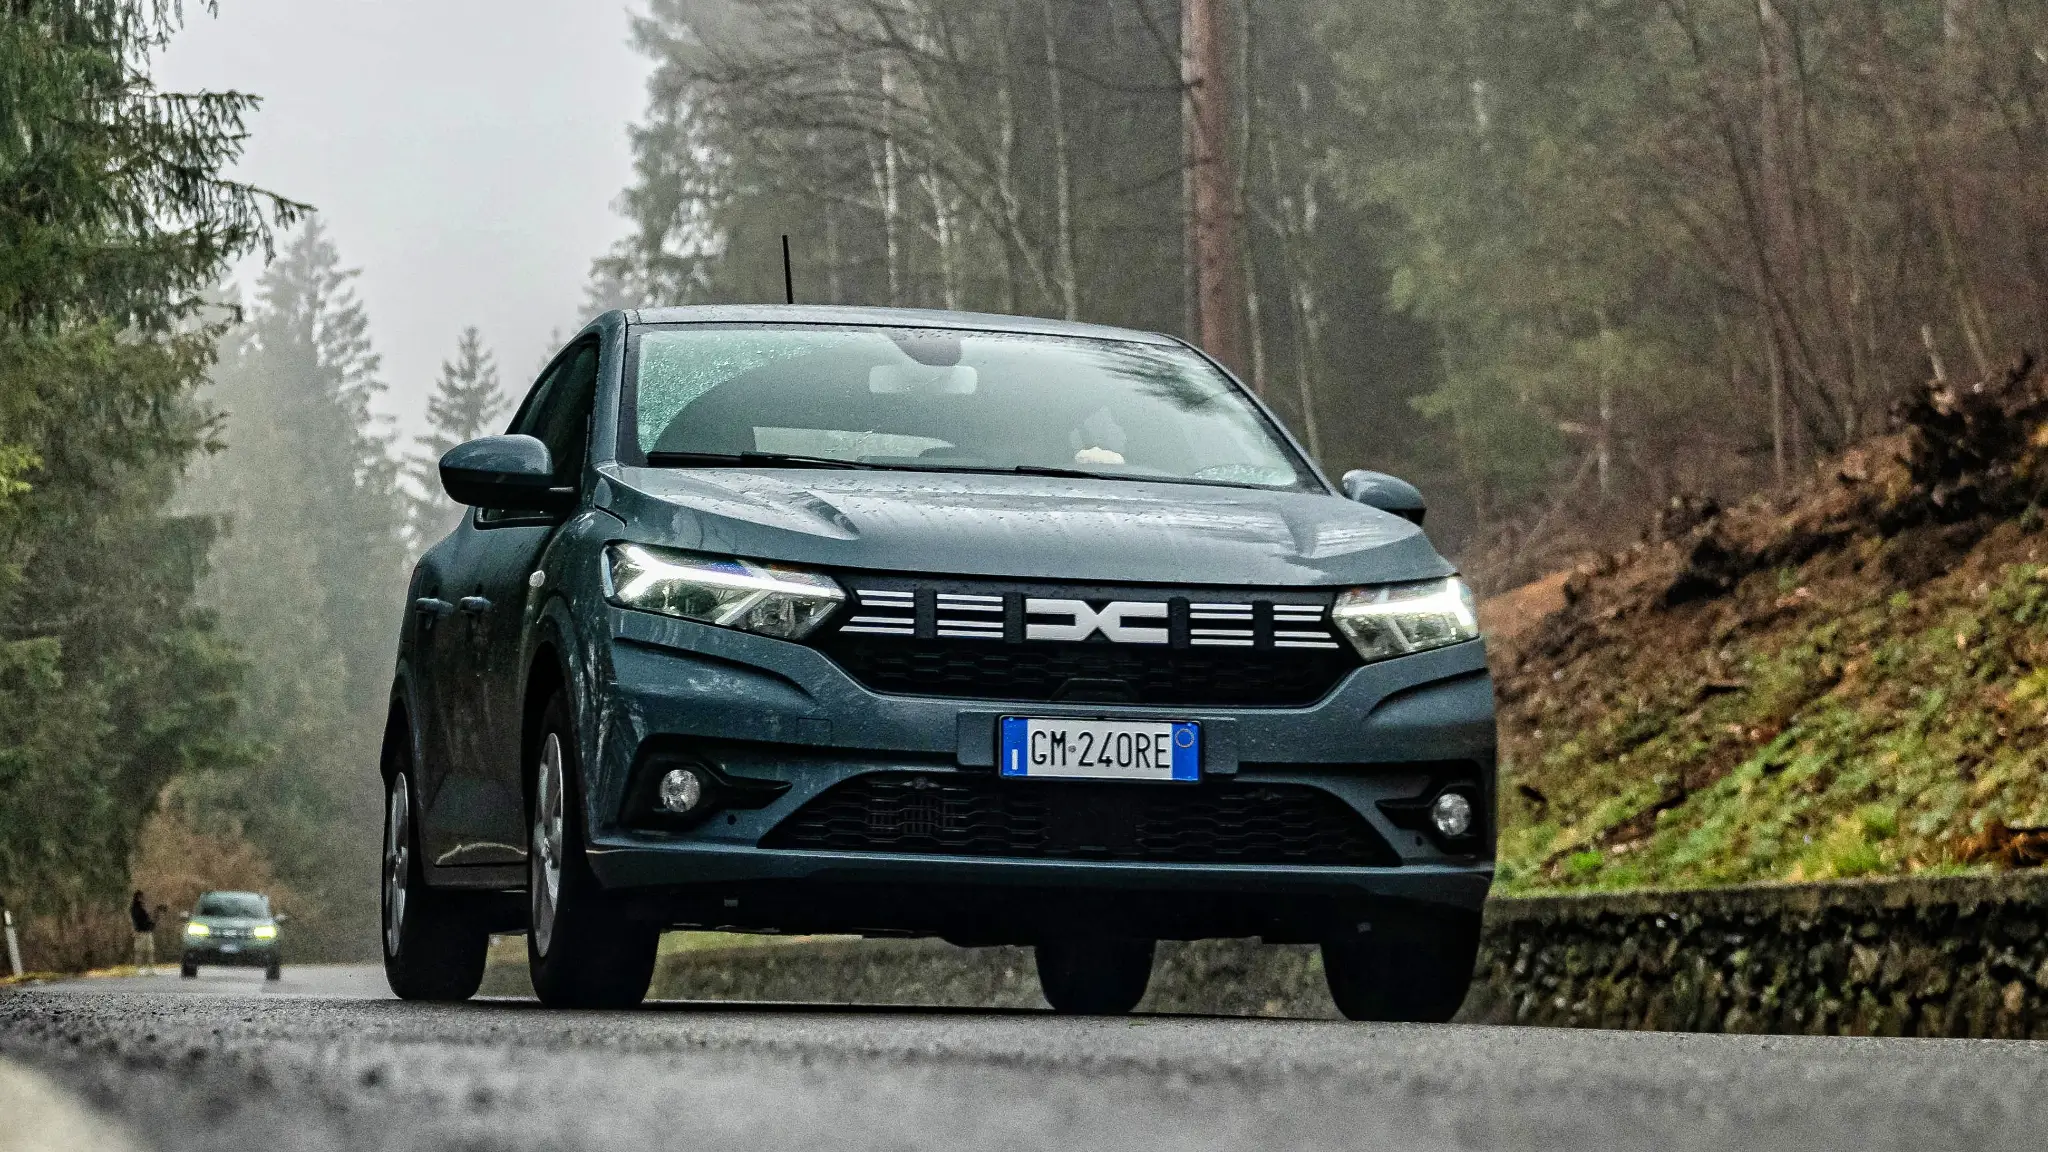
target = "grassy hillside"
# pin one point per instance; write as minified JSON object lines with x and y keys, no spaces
{"x":1846,"y":681}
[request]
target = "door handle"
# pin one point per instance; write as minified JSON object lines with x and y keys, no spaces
{"x":474,"y":605}
{"x":433,"y":608}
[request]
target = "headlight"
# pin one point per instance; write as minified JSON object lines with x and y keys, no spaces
{"x":1397,"y":619}
{"x":752,"y":596}
{"x":265,"y":932}
{"x":198,"y":930}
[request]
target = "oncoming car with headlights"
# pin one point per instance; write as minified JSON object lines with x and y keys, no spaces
{"x":885,"y":622}
{"x":232,"y":929}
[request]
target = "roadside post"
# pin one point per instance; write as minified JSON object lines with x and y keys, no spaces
{"x":13,"y":942}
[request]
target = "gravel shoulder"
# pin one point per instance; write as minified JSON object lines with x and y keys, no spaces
{"x":259,"y":1069}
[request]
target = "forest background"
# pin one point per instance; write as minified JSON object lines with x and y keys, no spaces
{"x":1561,"y":262}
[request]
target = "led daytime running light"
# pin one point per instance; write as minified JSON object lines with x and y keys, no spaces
{"x":1401,"y":619}
{"x":748,"y":595}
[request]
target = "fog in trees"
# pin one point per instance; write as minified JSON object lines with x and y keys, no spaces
{"x":1560,"y":262}
{"x":467,"y":402}
{"x":307,"y":579}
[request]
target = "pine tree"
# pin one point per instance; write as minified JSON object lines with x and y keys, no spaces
{"x":467,"y":403}
{"x":115,"y":217}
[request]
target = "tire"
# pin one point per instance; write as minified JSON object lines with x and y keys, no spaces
{"x":1094,"y":976}
{"x":582,"y":950}
{"x":274,"y":972}
{"x":188,"y":971}
{"x":434,"y":944}
{"x":1405,"y":967}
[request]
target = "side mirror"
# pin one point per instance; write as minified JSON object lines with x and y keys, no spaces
{"x":281,"y":918}
{"x":1384,"y":492}
{"x":504,"y":474}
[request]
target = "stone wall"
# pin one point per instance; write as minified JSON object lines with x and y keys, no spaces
{"x":1960,"y":956}
{"x":1964,"y":956}
{"x":1223,"y":977}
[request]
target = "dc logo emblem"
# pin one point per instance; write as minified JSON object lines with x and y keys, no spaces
{"x":1078,"y":620}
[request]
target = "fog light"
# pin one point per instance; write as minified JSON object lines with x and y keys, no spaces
{"x":681,"y":790}
{"x":1452,"y":814}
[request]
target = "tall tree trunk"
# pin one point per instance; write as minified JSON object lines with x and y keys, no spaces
{"x":891,"y":197}
{"x":1219,"y":300}
{"x":1310,"y":322}
{"x":1247,"y":96}
{"x":1063,"y":174}
{"x":1781,"y":265}
{"x":833,"y":292}
{"x":945,"y":236}
{"x":1006,"y":164}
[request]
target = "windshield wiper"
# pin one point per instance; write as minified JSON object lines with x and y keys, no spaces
{"x":798,"y":460}
{"x":1069,"y":473}
{"x":751,"y":460}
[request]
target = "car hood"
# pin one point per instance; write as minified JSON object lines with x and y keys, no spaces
{"x":231,"y":921}
{"x":1021,"y":527}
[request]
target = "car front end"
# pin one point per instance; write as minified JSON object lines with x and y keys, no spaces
{"x":857,"y":783}
{"x":808,"y":681}
{"x":231,"y":941}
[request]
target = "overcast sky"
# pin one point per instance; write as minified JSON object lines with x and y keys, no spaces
{"x":463,"y":154}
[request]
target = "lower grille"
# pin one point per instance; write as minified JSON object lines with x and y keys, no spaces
{"x":1216,"y":822}
{"x":1114,"y":672}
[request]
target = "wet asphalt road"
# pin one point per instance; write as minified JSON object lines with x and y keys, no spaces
{"x":316,"y":1062}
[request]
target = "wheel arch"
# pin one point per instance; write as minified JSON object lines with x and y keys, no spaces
{"x":552,"y":667}
{"x":401,"y":730}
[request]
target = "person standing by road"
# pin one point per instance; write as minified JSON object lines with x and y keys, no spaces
{"x":145,"y":935}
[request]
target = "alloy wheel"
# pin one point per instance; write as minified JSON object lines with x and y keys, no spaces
{"x":397,"y":860}
{"x":546,"y":880}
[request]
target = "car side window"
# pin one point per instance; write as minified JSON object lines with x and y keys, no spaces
{"x":557,"y":413}
{"x":561,"y":417}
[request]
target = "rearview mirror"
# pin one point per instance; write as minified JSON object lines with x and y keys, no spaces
{"x":504,"y":474}
{"x":922,"y":380}
{"x":1384,"y":492}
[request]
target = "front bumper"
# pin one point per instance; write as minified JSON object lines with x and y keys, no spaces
{"x":784,"y":712}
{"x":246,"y":954}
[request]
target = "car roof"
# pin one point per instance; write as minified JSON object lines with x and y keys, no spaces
{"x":232,"y":892}
{"x":888,"y":317}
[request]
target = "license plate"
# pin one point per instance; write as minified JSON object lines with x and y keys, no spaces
{"x":1101,"y":749}
{"x":231,"y":948}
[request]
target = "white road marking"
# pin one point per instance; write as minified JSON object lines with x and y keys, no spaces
{"x":41,"y":1117}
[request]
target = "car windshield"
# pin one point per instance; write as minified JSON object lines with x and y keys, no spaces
{"x":935,"y":400}
{"x":246,"y":904}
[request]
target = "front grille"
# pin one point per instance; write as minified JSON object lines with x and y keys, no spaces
{"x":1216,"y":822}
{"x":990,"y":641}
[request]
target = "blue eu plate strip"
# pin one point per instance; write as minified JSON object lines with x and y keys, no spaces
{"x":1187,"y":750}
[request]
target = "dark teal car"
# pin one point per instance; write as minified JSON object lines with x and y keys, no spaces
{"x":1005,"y":631}
{"x":233,"y":930}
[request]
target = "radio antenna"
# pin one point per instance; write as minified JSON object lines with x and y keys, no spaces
{"x":788,"y":278}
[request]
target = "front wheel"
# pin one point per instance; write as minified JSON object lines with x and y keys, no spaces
{"x":1402,"y":966}
{"x":434,"y":945}
{"x":188,"y":970}
{"x":1094,"y":976}
{"x":582,"y":950}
